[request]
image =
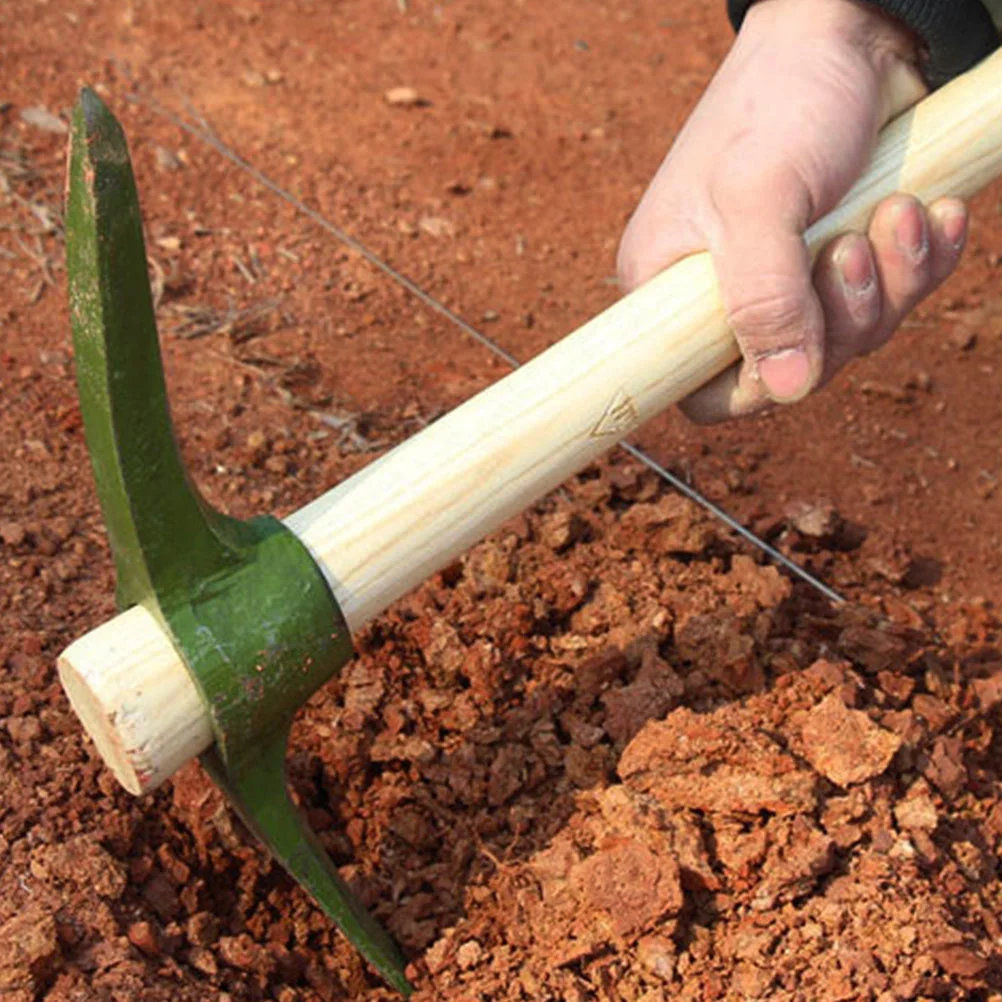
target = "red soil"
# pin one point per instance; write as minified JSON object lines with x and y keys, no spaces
{"x":608,"y":754}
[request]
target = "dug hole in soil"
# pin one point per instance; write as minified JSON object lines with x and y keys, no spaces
{"x":608,"y":754}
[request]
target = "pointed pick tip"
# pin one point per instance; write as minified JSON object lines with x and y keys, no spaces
{"x":89,"y":99}
{"x":91,"y":108}
{"x":94,"y":123}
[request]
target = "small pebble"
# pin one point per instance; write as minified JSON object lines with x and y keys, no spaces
{"x":166,"y":159}
{"x":143,"y":936}
{"x":202,"y":929}
{"x":469,"y":954}
{"x":658,"y":955}
{"x":203,"y":960}
{"x":436,"y":226}
{"x":962,"y":338}
{"x":403,"y":97}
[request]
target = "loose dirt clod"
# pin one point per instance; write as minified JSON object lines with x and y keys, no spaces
{"x":845,"y":745}
{"x":29,"y":952}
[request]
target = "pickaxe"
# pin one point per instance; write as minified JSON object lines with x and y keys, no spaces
{"x":229,"y":626}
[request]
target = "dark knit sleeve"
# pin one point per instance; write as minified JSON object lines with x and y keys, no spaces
{"x":956,"y":33}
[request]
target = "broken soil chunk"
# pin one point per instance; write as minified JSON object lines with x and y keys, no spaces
{"x":845,"y":745}
{"x":628,"y":886}
{"x":29,"y":950}
{"x":697,"y":761}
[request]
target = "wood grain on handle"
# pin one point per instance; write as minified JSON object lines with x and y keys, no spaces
{"x":414,"y":510}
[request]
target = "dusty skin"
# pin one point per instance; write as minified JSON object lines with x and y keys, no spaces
{"x":608,"y":755}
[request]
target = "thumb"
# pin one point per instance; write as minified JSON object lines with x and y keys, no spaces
{"x":764,"y":272}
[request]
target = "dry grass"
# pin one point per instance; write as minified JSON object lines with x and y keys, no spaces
{"x":34,"y":222}
{"x":196,"y":320}
{"x":15,"y":168}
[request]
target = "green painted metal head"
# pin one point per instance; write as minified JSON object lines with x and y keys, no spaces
{"x":244,"y":603}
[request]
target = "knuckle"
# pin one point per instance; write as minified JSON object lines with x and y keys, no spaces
{"x":769,"y":319}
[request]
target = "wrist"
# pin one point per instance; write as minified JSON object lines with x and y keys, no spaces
{"x":950,"y":36}
{"x":860,"y":23}
{"x":885,"y":46}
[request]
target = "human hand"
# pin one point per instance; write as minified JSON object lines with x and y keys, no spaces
{"x":784,"y":129}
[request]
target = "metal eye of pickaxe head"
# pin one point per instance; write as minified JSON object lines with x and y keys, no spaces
{"x":227,"y":627}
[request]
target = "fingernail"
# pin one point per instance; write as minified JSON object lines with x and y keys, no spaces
{"x":855,"y":267}
{"x":910,"y":232}
{"x":954,"y":223}
{"x":786,"y":374}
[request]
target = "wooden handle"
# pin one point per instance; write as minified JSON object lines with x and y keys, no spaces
{"x":409,"y":513}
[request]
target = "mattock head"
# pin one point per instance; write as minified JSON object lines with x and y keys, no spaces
{"x":244,"y":603}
